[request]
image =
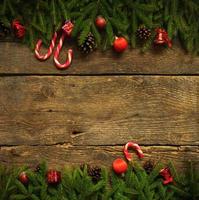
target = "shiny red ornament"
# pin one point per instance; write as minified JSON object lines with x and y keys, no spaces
{"x":120,"y":44}
{"x":166,"y":174}
{"x":100,"y":22}
{"x":18,"y":28}
{"x":53,"y":177}
{"x":162,"y":37}
{"x":119,"y":166}
{"x":23,"y":178}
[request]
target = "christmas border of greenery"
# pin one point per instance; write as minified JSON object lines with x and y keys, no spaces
{"x":76,"y":184}
{"x":42,"y":17}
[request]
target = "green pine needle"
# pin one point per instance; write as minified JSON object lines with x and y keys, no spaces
{"x":179,"y":18}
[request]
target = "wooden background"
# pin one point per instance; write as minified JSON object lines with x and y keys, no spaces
{"x":88,"y":112}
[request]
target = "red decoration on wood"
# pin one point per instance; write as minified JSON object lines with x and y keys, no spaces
{"x":120,"y":44}
{"x":50,"y":49}
{"x":53,"y":177}
{"x":166,"y":174}
{"x":67,"y":30}
{"x":100,"y":22}
{"x":120,"y":166}
{"x":134,"y":146}
{"x":162,"y":37}
{"x":23,"y":178}
{"x":18,"y":28}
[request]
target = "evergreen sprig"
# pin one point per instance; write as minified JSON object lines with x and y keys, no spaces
{"x":76,"y":184}
{"x":43,"y":17}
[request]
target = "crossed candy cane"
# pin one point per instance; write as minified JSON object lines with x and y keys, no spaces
{"x":134,"y":146}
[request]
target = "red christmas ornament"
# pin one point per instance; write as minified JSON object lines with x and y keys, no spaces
{"x":100,"y":22}
{"x":120,"y":166}
{"x":68,"y":28}
{"x":53,"y":177}
{"x":23,"y":178}
{"x":18,"y":28}
{"x":162,"y":37}
{"x":120,"y":44}
{"x":166,"y":174}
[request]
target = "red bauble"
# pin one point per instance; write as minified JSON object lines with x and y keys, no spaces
{"x":100,"y":22}
{"x":53,"y":177}
{"x":23,"y":178}
{"x":120,"y":44}
{"x":120,"y":166}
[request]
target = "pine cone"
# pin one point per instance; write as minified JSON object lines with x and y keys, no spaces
{"x":34,"y":167}
{"x":143,"y":33}
{"x":37,"y":168}
{"x":88,"y":45}
{"x":148,"y":166}
{"x":94,"y":173}
{"x":4,"y":31}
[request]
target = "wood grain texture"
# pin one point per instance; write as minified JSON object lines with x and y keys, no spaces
{"x":16,"y":58}
{"x":67,"y":155}
{"x":86,"y":111}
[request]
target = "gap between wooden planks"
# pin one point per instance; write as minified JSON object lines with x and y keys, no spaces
{"x":15,"y":58}
{"x":75,"y":119}
{"x":67,"y":155}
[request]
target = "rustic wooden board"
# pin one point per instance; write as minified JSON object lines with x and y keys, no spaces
{"x":67,"y":155}
{"x":16,"y":58}
{"x":99,"y":110}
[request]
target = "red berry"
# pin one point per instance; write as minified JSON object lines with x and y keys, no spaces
{"x":23,"y":178}
{"x":53,"y":177}
{"x":119,"y":166}
{"x":100,"y":22}
{"x":120,"y":44}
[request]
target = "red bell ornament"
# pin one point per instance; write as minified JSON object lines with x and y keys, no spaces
{"x":162,"y":37}
{"x":166,"y":174}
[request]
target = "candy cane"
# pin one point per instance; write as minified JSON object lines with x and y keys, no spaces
{"x":135,"y":147}
{"x":50,"y":49}
{"x":67,"y":30}
{"x":56,"y":54}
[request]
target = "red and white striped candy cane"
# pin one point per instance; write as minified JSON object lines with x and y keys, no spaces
{"x":56,"y":54}
{"x":135,"y":147}
{"x":50,"y":49}
{"x":67,"y":30}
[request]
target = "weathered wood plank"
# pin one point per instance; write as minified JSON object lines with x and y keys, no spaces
{"x":16,"y":58}
{"x":83,"y":110}
{"x":67,"y":155}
